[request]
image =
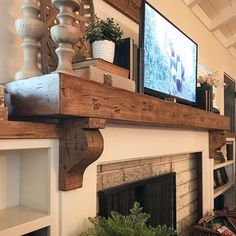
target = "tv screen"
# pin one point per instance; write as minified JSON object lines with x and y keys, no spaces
{"x":168,"y":58}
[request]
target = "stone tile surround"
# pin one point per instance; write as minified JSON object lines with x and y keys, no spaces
{"x":185,"y":166}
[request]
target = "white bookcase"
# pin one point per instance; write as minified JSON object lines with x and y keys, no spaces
{"x":28,"y":186}
{"x":228,"y":189}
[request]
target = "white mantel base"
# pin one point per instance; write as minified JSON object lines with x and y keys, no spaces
{"x":123,"y":142}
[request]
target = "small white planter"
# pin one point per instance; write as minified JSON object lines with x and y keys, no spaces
{"x":104,"y":49}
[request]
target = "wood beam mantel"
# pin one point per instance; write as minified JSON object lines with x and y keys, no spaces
{"x":62,"y":95}
{"x":81,"y":144}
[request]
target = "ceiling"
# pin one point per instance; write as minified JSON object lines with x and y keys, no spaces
{"x":219,"y":16}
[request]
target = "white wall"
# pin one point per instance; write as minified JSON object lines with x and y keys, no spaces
{"x":129,"y":142}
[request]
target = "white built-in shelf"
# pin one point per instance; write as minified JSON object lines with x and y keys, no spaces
{"x":27,"y":178}
{"x":224,"y":164}
{"x":21,"y":220}
{"x":228,"y":189}
{"x":220,"y":190}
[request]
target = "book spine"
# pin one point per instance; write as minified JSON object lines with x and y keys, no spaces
{"x":98,"y":75}
{"x":224,"y":175}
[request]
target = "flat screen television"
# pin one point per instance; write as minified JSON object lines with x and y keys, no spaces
{"x":168,"y":58}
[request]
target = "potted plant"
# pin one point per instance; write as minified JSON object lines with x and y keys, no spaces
{"x":103,"y":35}
{"x":134,"y":224}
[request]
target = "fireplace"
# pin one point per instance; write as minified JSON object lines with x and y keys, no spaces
{"x":157,"y":196}
{"x":121,"y":183}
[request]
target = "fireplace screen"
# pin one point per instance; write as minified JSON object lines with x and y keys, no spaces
{"x":156,"y":195}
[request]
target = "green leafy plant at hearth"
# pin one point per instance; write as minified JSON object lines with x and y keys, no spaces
{"x":99,"y":29}
{"x":134,"y":224}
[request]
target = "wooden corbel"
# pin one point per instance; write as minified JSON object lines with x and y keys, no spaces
{"x":81,"y":144}
{"x":217,"y":139}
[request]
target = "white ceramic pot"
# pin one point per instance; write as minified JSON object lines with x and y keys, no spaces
{"x":104,"y":49}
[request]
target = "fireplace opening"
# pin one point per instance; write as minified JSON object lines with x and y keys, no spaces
{"x":157,"y":196}
{"x":188,"y":199}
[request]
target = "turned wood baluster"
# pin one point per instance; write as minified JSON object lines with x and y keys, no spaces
{"x":65,"y":35}
{"x":31,"y":30}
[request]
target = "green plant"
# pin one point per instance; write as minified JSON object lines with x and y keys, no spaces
{"x":134,"y":224}
{"x":99,"y":29}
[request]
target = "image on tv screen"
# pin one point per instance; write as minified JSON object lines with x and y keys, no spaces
{"x":170,"y":58}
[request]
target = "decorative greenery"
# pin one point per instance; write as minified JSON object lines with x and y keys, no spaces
{"x":134,"y":224}
{"x":99,"y":29}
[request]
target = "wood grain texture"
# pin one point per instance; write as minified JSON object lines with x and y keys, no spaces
{"x":130,"y":8}
{"x":103,"y":65}
{"x":26,"y":130}
{"x":90,"y":99}
{"x":68,"y":96}
{"x":80,"y":145}
{"x":217,"y":139}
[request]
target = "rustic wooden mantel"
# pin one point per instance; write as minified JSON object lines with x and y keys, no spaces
{"x":83,"y":107}
{"x":61,"y":95}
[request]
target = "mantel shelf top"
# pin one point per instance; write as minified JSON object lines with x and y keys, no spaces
{"x":62,"y":95}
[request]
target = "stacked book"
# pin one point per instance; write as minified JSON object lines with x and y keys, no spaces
{"x":220,"y":177}
{"x":99,"y":70}
{"x":122,"y":73}
{"x":219,"y":158}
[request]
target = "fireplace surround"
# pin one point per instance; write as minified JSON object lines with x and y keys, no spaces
{"x":188,"y":184}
